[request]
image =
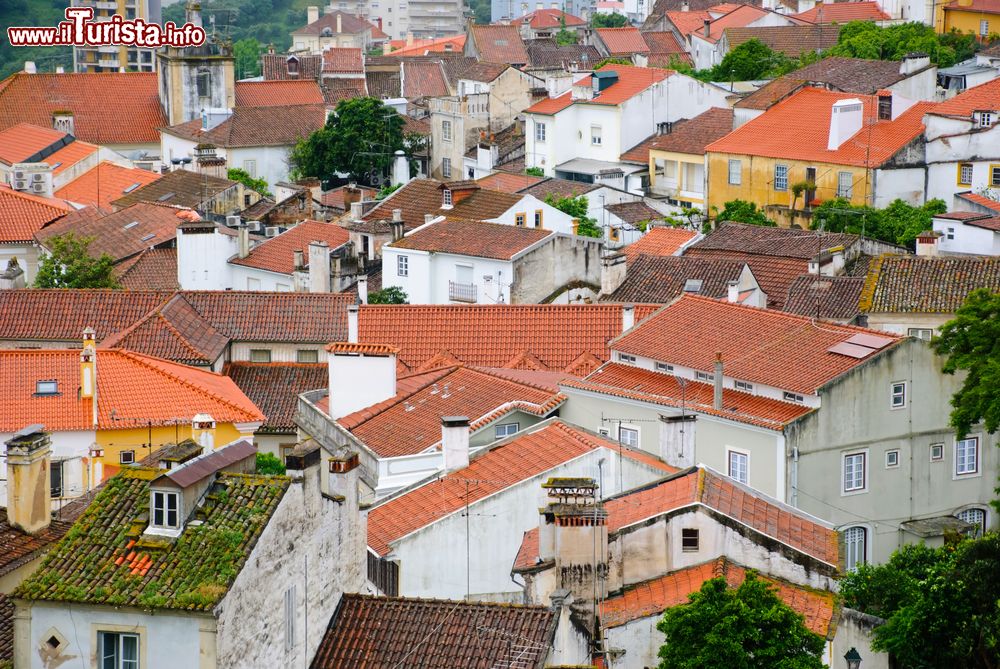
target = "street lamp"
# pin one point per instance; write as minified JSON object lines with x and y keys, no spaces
{"x":853,"y":658}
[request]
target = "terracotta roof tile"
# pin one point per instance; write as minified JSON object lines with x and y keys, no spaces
{"x":153,"y":269}
{"x":631,"y":82}
{"x":275,"y":389}
{"x":660,"y":279}
{"x":491,"y":335}
{"x":294,"y":317}
{"x":770,"y":93}
{"x":793,"y":41}
{"x":383,"y":85}
{"x":133,"y":119}
{"x":335,"y":198}
{"x":760,"y":240}
{"x":622,"y":41}
{"x":873,"y":146}
{"x":635,"y":212}
{"x":336,"y":90}
{"x":977,"y":6}
{"x":23,"y":214}
{"x":180,"y":188}
{"x":691,"y":136}
{"x":484,"y":72}
{"x":983,"y":96}
{"x":421,"y":47}
{"x":828,"y":297}
{"x":380,"y":350}
{"x":911,"y":284}
{"x":544,"y":54}
{"x":274,"y":66}
{"x":549,"y":18}
{"x":527,"y":454}
{"x":6,"y":632}
{"x":687,"y":22}
{"x":660,"y":242}
{"x":630,"y":382}
{"x":24,"y":140}
{"x":663,"y":44}
{"x":423,"y":196}
{"x":558,"y":188}
{"x":343,"y":59}
{"x":423,"y":79}
{"x":473,"y":238}
{"x":991,"y":223}
{"x":129,"y":384}
{"x":758,"y":345}
{"x":855,"y":75}
{"x":59,"y":314}
{"x":258,"y":126}
{"x":499,"y":44}
{"x":349,"y":23}
{"x":101,"y":561}
{"x":507,"y":182}
{"x":277,"y":254}
{"x":843,"y":12}
{"x":980,"y":200}
{"x":105,"y":183}
{"x":17,"y":548}
{"x":469,"y":635}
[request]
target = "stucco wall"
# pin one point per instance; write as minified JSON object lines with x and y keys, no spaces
{"x":560,"y":261}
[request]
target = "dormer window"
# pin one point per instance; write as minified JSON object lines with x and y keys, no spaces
{"x":986,"y":119}
{"x":293,"y":66}
{"x":446,"y":197}
{"x":165,"y":510}
{"x":50,"y":387}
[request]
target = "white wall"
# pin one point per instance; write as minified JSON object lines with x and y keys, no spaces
{"x":902,"y":184}
{"x":430,"y":273}
{"x":552,"y":218}
{"x":202,"y":260}
{"x":251,"y":278}
{"x":951,"y":141}
{"x":270,"y":162}
{"x":967,"y":238}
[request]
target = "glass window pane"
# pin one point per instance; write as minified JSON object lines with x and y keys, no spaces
{"x":130,"y":651}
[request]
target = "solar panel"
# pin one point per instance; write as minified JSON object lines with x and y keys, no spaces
{"x":871,"y":341}
{"x":851,"y":350}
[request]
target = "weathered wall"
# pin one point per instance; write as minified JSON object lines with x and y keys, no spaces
{"x":559,"y":262}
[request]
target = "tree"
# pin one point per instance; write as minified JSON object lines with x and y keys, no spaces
{"x":748,"y":627}
{"x":268,"y":464}
{"x":899,"y":223}
{"x":358,"y":140}
{"x":612,"y":61}
{"x":939,"y":604}
{"x":577,"y":207}
{"x":535,"y":172}
{"x":603,"y":20}
{"x":970,"y":342}
{"x":387,"y":190}
{"x":865,"y":39}
{"x":751,"y":60}
{"x":741,"y":211}
{"x":241,"y":175}
{"x":246,"y":53}
{"x":389,"y":295}
{"x":565,"y":36}
{"x":69,"y":264}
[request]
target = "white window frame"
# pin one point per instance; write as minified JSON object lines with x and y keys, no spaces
{"x":103,"y":637}
{"x":735,"y":172}
{"x":704,"y":376}
{"x":250,"y":167}
{"x":539,"y":132}
{"x":446,"y":171}
{"x":505,"y":430}
{"x":984,"y":27}
{"x":966,"y":472}
{"x":892,"y":458}
{"x":664,"y":367}
{"x":403,"y":265}
{"x":919,"y":333}
{"x":445,"y":131}
{"x":940,"y":449}
{"x":962,"y":179}
{"x":983,"y":524}
{"x":596,"y":135}
{"x":845,"y":185}
{"x":741,"y":457}
{"x":854,"y":489}
{"x":626,"y":358}
{"x":126,"y":456}
{"x":159,"y":505}
{"x":780,"y":181}
{"x":697,"y":539}
{"x":745,"y":386}
{"x":792,"y":397}
{"x":855,"y":537}
{"x":630,"y":429}
{"x":898,"y":395}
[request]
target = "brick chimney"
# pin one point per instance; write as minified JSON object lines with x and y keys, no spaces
{"x":397,"y":224}
{"x":29,"y":494}
{"x":360,"y":375}
{"x":455,"y":442}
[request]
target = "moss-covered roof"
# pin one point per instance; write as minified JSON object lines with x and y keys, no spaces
{"x":104,"y":559}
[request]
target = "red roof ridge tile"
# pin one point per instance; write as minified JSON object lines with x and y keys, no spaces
{"x":382,"y":350}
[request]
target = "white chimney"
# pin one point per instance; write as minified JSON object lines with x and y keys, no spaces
{"x":428,"y":218}
{"x":717,"y":394}
{"x":613,"y":272}
{"x":400,"y":169}
{"x":357,"y":211}
{"x":733,"y":293}
{"x":312,"y":14}
{"x":363,"y":289}
{"x":60,"y":69}
{"x":846,"y":118}
{"x":360,"y":375}
{"x":352,"y":324}
{"x":203,"y":431}
{"x":319,"y":267}
{"x":927,"y":243}
{"x":298,"y":259}
{"x":339,"y":26}
{"x":628,"y":316}
{"x":29,"y":67}
{"x":455,"y":442}
{"x":243,"y":240}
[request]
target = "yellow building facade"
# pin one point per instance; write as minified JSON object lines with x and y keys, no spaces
{"x":967,"y":16}
{"x":679,"y":176}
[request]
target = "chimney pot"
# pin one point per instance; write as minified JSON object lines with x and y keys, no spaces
{"x":428,"y":218}
{"x":628,"y":316}
{"x":352,"y":324}
{"x":357,"y":211}
{"x":455,"y":442}
{"x":319,"y":267}
{"x":299,"y":259}
{"x":733,"y":291}
{"x":708,"y":27}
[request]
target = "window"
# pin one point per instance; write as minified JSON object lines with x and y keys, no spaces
{"x":306,"y":355}
{"x":995,"y":175}
{"x":50,"y":387}
{"x":290,"y":618}
{"x":446,"y":197}
{"x":519,"y":220}
{"x":965,"y":174}
{"x":117,"y":650}
{"x":885,"y":107}
{"x":260,"y":355}
{"x":629,"y":436}
{"x":538,"y":218}
{"x":403,"y":265}
{"x":203,"y":82}
{"x":604,"y":432}
{"x":626,"y":358}
{"x":166,"y":509}
{"x":744,"y":386}
{"x":664,"y":367}
{"x":845,"y":185}
{"x":898,"y":395}
{"x":293,"y":66}
{"x":704,"y":376}
{"x":781,"y":177}
{"x":595,"y":135}
{"x":984,"y":28}
{"x":735,"y":172}
{"x":505,"y":430}
{"x":55,"y":478}
{"x":920,"y":333}
{"x":539,"y":132}
{"x":738,"y":466}
{"x":614,"y":234}
{"x":446,"y":131}
{"x":252,"y":283}
{"x":950,"y":234}
{"x":892,"y":458}
{"x":446,"y":172}
{"x":855,"y":546}
{"x":854,"y":472}
{"x":689,"y":540}
{"x":250,"y":167}
{"x":967,"y":456}
{"x":975,"y":517}
{"x":985,"y":119}
{"x":792,"y":397}
{"x":126,"y":457}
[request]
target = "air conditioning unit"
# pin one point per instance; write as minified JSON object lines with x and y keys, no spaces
{"x":253,"y":226}
{"x":20,"y":174}
{"x":38,"y":188}
{"x":271,"y":231}
{"x":38,"y":178}
{"x":232,"y":221}
{"x":20,"y":184}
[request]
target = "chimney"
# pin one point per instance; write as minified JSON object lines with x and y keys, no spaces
{"x":363,"y":289}
{"x":360,"y":376}
{"x":685,"y":7}
{"x":845,"y":121}
{"x":455,"y":442}
{"x":428,"y":218}
{"x":203,"y":431}
{"x":319,"y":267}
{"x":312,"y":14}
{"x":299,"y":262}
{"x":717,"y":394}
{"x":352,"y":324}
{"x":29,"y":494}
{"x":397,"y":224}
{"x":352,"y":194}
{"x":708,"y":27}
{"x":60,"y":69}
{"x":88,"y":371}
{"x":628,"y":316}
{"x":914,"y":62}
{"x":29,"y":67}
{"x":340,"y":27}
{"x":62,"y":120}
{"x":927,"y":243}
{"x":357,"y":212}
{"x":733,"y":294}
{"x":400,"y":169}
{"x":13,"y":276}
{"x":243,"y":240}
{"x":613,"y":272}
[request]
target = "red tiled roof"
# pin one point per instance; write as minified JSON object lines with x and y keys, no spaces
{"x":275,"y":389}
{"x":927,"y":285}
{"x":991,"y":223}
{"x":423,"y":79}
{"x":60,"y":314}
{"x":688,"y":22}
{"x":757,"y":345}
{"x":386,"y":631}
{"x":153,"y":269}
{"x":17,"y":548}
{"x":335,"y":198}
{"x":774,"y":274}
{"x":343,"y":59}
{"x":349,"y":23}
{"x":631,"y":81}
{"x":277,"y":93}
{"x":132,"y":386}
{"x":274,"y":66}
{"x":498,"y":335}
{"x":661,"y":279}
{"x":528,"y":454}
{"x":124,"y":233}
{"x":132,"y":119}
{"x":421,"y":47}
{"x":653,"y":597}
{"x":830,"y":297}
{"x":277,"y":253}
{"x":103,"y":184}
{"x":691,"y":136}
{"x":22,"y":141}
{"x":383,"y":350}
{"x":623,"y":41}
{"x":843,"y":12}
{"x":663,"y":44}
{"x":257,"y":126}
{"x":659,"y":241}
{"x":70,"y":155}
{"x":499,"y":44}
{"x":981,"y":200}
{"x":473,"y":238}
{"x":975,"y":7}
{"x":766,"y":135}
{"x":508,"y":182}
{"x":549,"y":18}
{"x":983,"y":96}
{"x":24,"y":214}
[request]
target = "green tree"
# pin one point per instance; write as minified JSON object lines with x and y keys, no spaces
{"x":389,"y":295}
{"x":751,"y":60}
{"x":577,"y":207}
{"x":864,"y":39}
{"x":386,"y":191}
{"x":565,"y":36}
{"x":241,"y":175}
{"x":940,"y":605}
{"x":246,"y":53}
{"x":899,"y":223}
{"x":69,"y":264}
{"x":748,"y":627}
{"x":741,"y":211}
{"x":612,"y":61}
{"x":358,"y":140}
{"x":603,"y":20}
{"x":268,"y":464}
{"x":535,"y":172}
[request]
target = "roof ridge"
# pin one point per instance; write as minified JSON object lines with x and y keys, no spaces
{"x":177,"y":333}
{"x":871,"y":282}
{"x":112,"y":339}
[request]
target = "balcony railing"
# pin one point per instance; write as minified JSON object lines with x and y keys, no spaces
{"x":461,"y":292}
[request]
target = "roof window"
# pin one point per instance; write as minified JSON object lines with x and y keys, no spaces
{"x":164,"y":197}
{"x":131,"y":188}
{"x":129,"y":226}
{"x":146,"y":238}
{"x":693,"y":286}
{"x":47,"y":387}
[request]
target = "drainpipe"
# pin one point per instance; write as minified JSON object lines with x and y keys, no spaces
{"x":795,"y":476}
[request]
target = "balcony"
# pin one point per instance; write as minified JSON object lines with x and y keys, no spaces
{"x":462,"y":292}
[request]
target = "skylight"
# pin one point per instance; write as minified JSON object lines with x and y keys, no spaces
{"x":47,"y":387}
{"x":692,"y":286}
{"x":164,"y":197}
{"x":131,"y":188}
{"x":146,"y":238}
{"x":128,"y":226}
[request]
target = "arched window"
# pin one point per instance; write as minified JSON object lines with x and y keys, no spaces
{"x":855,"y":546}
{"x":974,"y":516}
{"x":326,"y":32}
{"x":293,"y":65}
